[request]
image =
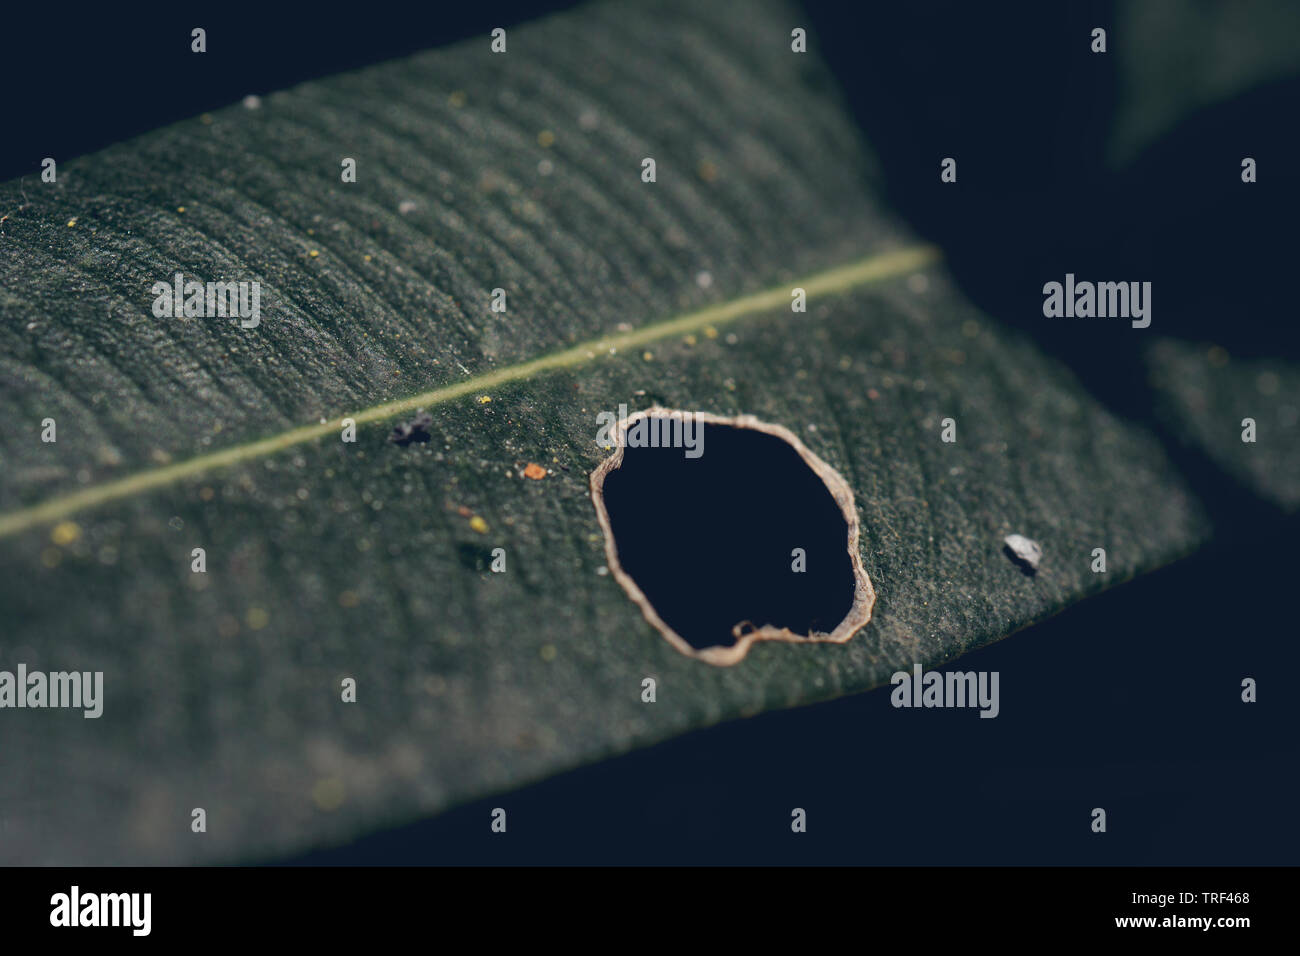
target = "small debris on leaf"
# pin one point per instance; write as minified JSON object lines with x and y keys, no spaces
{"x":1024,"y":551}
{"x":534,"y":471}
{"x":416,"y":430}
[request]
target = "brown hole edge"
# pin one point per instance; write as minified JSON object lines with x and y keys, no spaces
{"x":864,"y":595}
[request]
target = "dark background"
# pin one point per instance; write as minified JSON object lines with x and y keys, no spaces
{"x":1128,"y":701}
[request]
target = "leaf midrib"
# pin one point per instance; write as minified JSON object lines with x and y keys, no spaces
{"x":839,"y":279}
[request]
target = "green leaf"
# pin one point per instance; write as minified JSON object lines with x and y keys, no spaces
{"x":1214,"y":401}
{"x":1179,"y":56}
{"x":328,"y":560}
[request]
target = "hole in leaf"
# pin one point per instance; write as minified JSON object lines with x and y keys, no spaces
{"x":755,"y":539}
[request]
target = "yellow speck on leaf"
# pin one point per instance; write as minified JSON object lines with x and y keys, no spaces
{"x":65,"y":532}
{"x":257,"y":618}
{"x":690,"y":340}
{"x":478,"y":524}
{"x":546,"y":139}
{"x":548,"y":652}
{"x":328,"y":793}
{"x":648,"y":355}
{"x":456,"y":100}
{"x":484,"y":399}
{"x":314,"y":253}
{"x":711,"y":332}
{"x":180,"y":208}
{"x":72,"y":222}
{"x":366,"y":257}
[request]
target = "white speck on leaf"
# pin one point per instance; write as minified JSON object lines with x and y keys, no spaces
{"x":1024,"y":550}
